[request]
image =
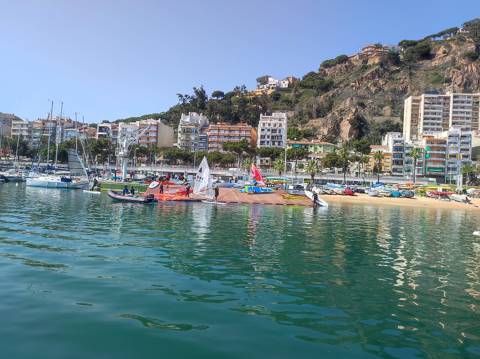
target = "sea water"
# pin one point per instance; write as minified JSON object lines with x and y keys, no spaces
{"x":84,"y":277}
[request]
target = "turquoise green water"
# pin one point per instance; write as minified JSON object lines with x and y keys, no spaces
{"x":83,"y":277}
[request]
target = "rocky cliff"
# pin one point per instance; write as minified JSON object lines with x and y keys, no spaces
{"x":371,"y":86}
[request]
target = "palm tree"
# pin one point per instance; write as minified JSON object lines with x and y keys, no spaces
{"x":278,"y":165}
{"x":344,"y":160}
{"x":247,"y":164}
{"x":415,"y":153}
{"x":312,"y":169}
{"x":468,"y":171}
{"x":378,"y":157}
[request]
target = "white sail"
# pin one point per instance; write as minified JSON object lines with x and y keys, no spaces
{"x":202,"y":179}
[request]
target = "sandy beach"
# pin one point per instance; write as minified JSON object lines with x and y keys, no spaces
{"x":231,"y":195}
{"x":418,"y":202}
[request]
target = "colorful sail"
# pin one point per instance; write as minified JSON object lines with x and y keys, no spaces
{"x":257,"y":176}
{"x":202,"y":179}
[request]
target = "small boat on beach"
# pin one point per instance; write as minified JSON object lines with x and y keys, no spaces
{"x":372,"y":193}
{"x":461,"y":198}
{"x":407,"y":193}
{"x":119,"y":196}
{"x":348,"y":192}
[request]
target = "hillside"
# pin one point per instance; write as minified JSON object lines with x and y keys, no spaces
{"x":354,"y":96}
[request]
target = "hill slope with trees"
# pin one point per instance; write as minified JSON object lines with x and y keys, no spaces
{"x":352,"y":97}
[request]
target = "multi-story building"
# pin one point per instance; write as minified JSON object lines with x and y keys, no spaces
{"x":6,"y":124}
{"x":428,"y":114}
{"x":395,"y":144}
{"x":150,"y":132}
{"x":316,"y":149}
{"x":385,"y":163}
{"x":459,"y":152}
{"x":272,"y":130}
{"x":435,"y":155}
{"x":21,"y":128}
{"x":108,"y":130}
{"x":220,"y":133}
{"x":192,"y":132}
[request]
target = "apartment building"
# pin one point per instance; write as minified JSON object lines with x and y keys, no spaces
{"x":428,"y":114}
{"x":316,"y":149}
{"x":108,"y":130}
{"x":21,"y":128}
{"x":386,"y":163}
{"x":272,"y":130}
{"x":459,"y":152}
{"x":6,"y":124}
{"x":220,"y":133}
{"x":395,"y":144}
{"x":192,"y":132}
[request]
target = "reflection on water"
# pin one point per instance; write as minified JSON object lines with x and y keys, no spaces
{"x":347,"y":280}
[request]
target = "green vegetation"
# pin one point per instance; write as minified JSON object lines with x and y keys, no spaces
{"x":332,"y":62}
{"x":378,"y":158}
{"x":421,"y":50}
{"x":312,"y":169}
{"x":328,"y":95}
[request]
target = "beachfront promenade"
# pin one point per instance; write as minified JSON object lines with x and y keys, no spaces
{"x":299,"y":176}
{"x":236,"y":172}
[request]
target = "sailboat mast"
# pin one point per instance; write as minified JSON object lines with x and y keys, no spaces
{"x":16,"y":151}
{"x":56,"y":133}
{"x":49,"y":132}
{"x":76,"y":133}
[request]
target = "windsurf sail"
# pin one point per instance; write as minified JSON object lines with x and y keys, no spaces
{"x":257,"y":176}
{"x":203,"y":182}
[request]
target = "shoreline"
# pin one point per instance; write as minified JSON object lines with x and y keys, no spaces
{"x":417,"y":202}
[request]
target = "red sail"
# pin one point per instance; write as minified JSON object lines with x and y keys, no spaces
{"x":256,"y":174}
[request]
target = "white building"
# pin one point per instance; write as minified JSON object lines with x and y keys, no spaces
{"x":459,"y":151}
{"x":272,"y":130}
{"x":395,"y":144}
{"x":107,"y":130}
{"x":429,"y":114}
{"x":272,"y":83}
{"x":192,"y":132}
{"x":21,"y":128}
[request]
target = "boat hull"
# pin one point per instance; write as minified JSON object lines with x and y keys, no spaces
{"x":46,"y":183}
{"x":129,"y":199}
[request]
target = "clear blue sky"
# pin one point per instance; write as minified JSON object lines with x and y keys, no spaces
{"x":110,"y":59}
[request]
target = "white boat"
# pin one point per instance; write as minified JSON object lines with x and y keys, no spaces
{"x":462,"y":198}
{"x":57,"y":181}
{"x":476,"y":233}
{"x":203,"y":185}
{"x":372,"y":193}
{"x":12,"y":175}
{"x":319,"y":202}
{"x":75,"y":178}
{"x":91,"y":192}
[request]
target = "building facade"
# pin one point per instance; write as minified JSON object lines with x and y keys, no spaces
{"x":192,"y":132}
{"x":428,"y":114}
{"x":220,"y":133}
{"x":108,"y":130}
{"x":21,"y":128}
{"x":272,"y":130}
{"x":316,"y":149}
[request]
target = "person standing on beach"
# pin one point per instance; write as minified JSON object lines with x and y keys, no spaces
{"x":315,"y":199}
{"x":161,"y":187}
{"x":187,"y":189}
{"x":217,"y":193}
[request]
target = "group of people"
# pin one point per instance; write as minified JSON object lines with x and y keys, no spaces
{"x":127,"y":192}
